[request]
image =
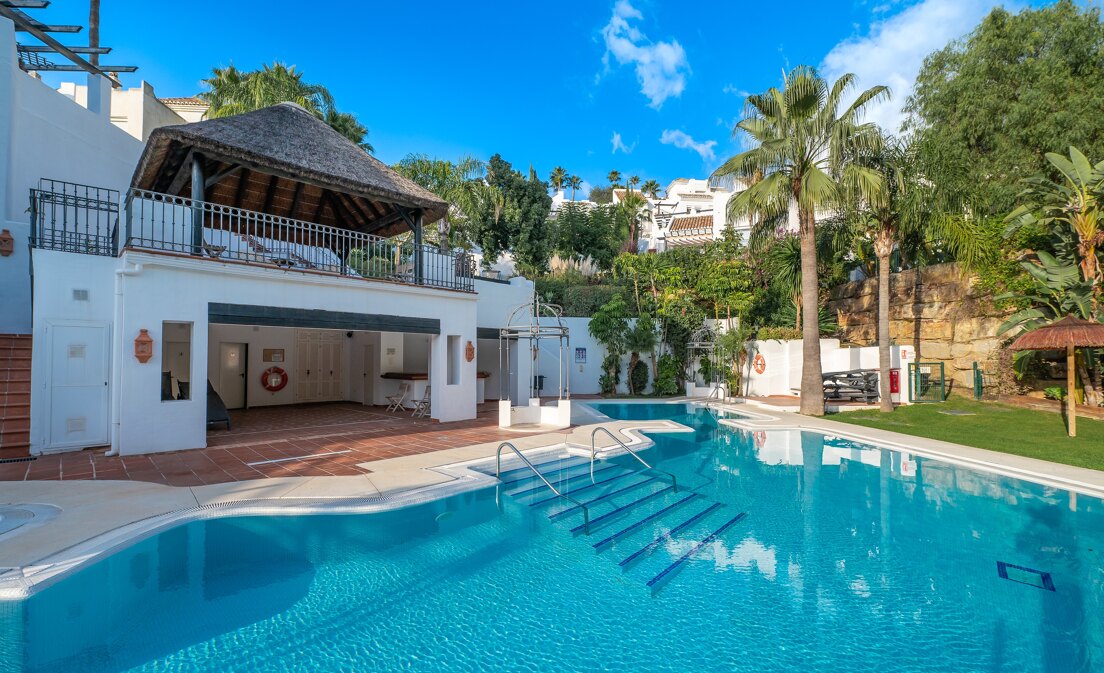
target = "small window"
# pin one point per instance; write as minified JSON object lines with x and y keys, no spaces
{"x":453,"y":360}
{"x":176,"y":361}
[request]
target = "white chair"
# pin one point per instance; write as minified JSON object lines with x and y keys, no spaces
{"x":395,"y":401}
{"x":421,"y":407}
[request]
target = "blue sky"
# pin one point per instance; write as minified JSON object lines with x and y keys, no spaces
{"x":647,"y":87}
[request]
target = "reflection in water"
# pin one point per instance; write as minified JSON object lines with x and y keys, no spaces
{"x":850,"y":557}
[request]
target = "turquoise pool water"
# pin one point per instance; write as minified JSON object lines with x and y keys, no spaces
{"x":846,"y":558}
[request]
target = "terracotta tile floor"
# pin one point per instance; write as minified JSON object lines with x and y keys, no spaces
{"x":360,"y":433}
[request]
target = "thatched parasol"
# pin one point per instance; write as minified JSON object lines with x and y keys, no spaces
{"x":1069,"y":334}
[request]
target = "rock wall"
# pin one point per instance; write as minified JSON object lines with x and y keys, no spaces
{"x":937,"y":310}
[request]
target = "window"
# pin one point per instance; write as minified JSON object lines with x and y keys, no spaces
{"x":453,"y":373}
{"x":176,"y":361}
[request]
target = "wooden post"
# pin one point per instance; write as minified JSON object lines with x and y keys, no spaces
{"x":1071,"y":389}
{"x":198,"y":196}
{"x":419,"y":258}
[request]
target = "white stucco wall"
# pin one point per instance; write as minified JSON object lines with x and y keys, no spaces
{"x":782,"y":359}
{"x":45,"y":134}
{"x":584,"y":376}
{"x":179,"y":289}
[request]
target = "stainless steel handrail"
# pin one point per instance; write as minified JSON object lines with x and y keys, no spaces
{"x":498,"y":474}
{"x":594,"y":452}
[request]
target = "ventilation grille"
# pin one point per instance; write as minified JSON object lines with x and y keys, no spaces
{"x":76,"y":424}
{"x":80,"y":295}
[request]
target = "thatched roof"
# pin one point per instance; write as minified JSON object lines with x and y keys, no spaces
{"x":1058,"y":335}
{"x":284,"y":161}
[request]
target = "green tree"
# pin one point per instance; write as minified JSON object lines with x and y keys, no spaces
{"x":804,"y":146}
{"x":633,"y":182}
{"x":231,"y":91}
{"x":520,"y":224}
{"x":609,"y":325}
{"x":614,"y":178}
{"x":1069,"y":208}
{"x":650,"y":188}
{"x":586,"y":233}
{"x":986,"y":109}
{"x":600,"y":194}
{"x":457,"y":183}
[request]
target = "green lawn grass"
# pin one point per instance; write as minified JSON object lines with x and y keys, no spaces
{"x":999,"y":427}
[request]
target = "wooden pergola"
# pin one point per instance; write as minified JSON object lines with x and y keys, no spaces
{"x":1068,"y":334}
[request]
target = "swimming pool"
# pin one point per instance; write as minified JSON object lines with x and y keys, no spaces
{"x":846,"y":558}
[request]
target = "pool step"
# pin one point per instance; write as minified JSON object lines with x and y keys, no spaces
{"x":652,"y":513}
{"x":657,"y":582}
{"x":560,"y":477}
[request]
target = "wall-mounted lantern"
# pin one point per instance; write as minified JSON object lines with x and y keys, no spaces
{"x":143,"y":346}
{"x":7,"y":243}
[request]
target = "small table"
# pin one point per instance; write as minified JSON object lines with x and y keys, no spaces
{"x":418,"y":382}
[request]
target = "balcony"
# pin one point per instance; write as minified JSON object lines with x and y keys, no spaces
{"x":83,"y":219}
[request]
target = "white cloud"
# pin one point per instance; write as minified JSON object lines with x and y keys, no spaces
{"x":683,"y":140}
{"x":661,"y":67}
{"x":619,"y":144}
{"x":735,"y":90}
{"x":894,"y":49}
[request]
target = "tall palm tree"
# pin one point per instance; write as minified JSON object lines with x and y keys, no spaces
{"x":650,"y":188}
{"x":804,"y":146}
{"x":574,"y":182}
{"x":633,"y":182}
{"x":231,"y":91}
{"x":614,"y":178}
{"x":557,"y":178}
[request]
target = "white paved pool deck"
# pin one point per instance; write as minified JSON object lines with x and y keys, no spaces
{"x":98,"y":517}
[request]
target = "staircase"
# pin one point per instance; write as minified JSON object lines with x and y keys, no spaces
{"x":638,"y":518}
{"x":15,"y":395}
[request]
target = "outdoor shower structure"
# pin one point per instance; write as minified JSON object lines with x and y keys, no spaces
{"x":706,"y":381}
{"x":527,"y":326}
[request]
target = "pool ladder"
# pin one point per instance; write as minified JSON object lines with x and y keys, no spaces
{"x":498,"y":475}
{"x":594,"y":453}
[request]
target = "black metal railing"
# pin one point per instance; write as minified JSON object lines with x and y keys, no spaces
{"x":74,"y":221}
{"x":72,"y":217}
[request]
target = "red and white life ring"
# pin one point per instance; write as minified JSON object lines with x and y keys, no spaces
{"x":760,"y":439}
{"x":759,"y":363}
{"x":274,"y":379}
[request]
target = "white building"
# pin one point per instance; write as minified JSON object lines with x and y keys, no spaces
{"x":691,"y":212}
{"x":243,"y":259}
{"x":138,"y":111}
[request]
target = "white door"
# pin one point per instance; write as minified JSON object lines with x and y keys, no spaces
{"x":369,"y":374}
{"x":79,"y":375}
{"x":232,"y":374}
{"x":318,"y":366}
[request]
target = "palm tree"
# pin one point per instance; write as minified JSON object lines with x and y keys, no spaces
{"x":349,"y":126}
{"x":457,"y":183}
{"x":231,"y":91}
{"x":1072,"y":208}
{"x":804,"y":148}
{"x":614,"y":178}
{"x":633,"y":182}
{"x":557,"y":178}
{"x":629,"y":212}
{"x":650,"y":188}
{"x":574,"y":182}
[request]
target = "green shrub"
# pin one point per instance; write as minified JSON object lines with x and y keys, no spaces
{"x":639,"y":377}
{"x":1054,"y":393}
{"x":608,"y":382}
{"x":779,"y":333}
{"x":666,"y":382}
{"x":584,"y":300}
